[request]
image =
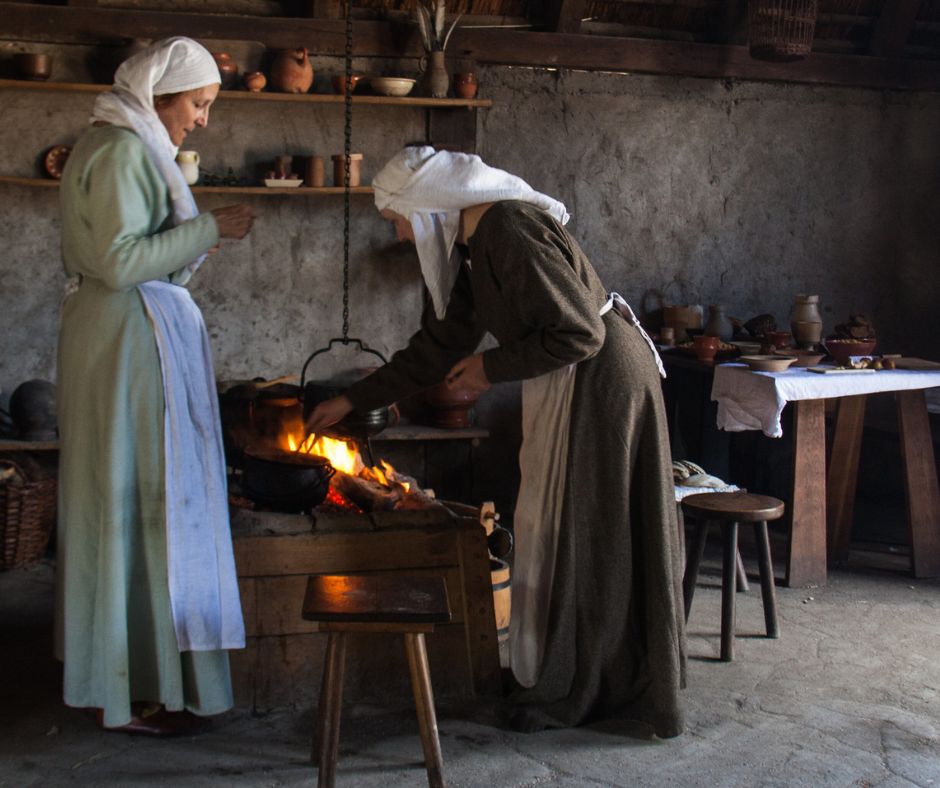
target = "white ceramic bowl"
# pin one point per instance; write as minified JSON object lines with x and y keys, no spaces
{"x":392,"y":86}
{"x":282,"y":183}
{"x":768,"y":363}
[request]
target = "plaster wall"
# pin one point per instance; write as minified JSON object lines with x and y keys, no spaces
{"x":681,"y":190}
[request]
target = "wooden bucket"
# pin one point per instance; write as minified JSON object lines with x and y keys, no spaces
{"x":502,"y":593}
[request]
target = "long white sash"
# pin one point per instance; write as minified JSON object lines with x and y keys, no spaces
{"x":543,"y":461}
{"x":201,"y":566}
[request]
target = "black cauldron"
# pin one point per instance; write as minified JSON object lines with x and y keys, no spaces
{"x":285,"y":481}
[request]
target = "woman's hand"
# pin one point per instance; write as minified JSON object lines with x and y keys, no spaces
{"x":234,"y":221}
{"x":468,"y":373}
{"x":327,"y":413}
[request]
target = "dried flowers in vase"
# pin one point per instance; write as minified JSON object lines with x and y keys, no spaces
{"x":430,"y":19}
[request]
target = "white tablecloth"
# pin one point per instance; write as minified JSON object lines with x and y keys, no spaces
{"x":750,"y":400}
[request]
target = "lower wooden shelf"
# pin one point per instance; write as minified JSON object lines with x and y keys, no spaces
{"x":297,"y":191}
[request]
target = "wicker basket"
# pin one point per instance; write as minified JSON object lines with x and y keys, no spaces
{"x":27,"y":515}
{"x":781,"y":30}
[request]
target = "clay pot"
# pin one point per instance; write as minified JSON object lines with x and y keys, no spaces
{"x":465,"y":85}
{"x":292,"y":71}
{"x":806,"y":320}
{"x":339,"y":83}
{"x":228,"y":69}
{"x":255,"y":81}
{"x":719,"y":324}
{"x":705,"y":347}
{"x":33,"y":410}
{"x":355,"y":169}
{"x":32,"y":65}
{"x":779,"y":339}
{"x":450,"y":407}
{"x":314,"y":175}
{"x":438,"y":79}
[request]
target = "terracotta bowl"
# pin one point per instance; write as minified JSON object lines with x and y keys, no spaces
{"x":841,"y":350}
{"x":768,"y":363}
{"x":804,"y":358}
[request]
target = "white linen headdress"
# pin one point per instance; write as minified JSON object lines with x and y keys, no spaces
{"x":430,"y":188}
{"x":172,"y":65}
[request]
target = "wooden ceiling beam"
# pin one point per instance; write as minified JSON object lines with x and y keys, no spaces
{"x":893,"y":27}
{"x":560,"y":16}
{"x":76,"y":25}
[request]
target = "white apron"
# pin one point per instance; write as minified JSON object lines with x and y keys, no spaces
{"x":201,"y":566}
{"x":543,"y":462}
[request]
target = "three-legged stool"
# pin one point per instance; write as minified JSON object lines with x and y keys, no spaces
{"x":729,"y":509}
{"x":375,"y":603}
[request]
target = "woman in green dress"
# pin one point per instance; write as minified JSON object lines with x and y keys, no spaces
{"x":147,"y":598}
{"x":597,"y":629}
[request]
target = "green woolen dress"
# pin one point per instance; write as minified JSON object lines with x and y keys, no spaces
{"x":115,"y":629}
{"x":615,"y":641}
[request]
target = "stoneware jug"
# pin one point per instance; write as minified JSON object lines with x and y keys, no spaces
{"x":806,"y":320}
{"x":188,"y":161}
{"x":719,"y":324}
{"x":292,"y":71}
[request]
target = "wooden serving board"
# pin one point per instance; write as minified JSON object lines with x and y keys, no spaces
{"x":837,"y":370}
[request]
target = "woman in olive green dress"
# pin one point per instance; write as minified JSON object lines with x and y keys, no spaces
{"x":597,"y":629}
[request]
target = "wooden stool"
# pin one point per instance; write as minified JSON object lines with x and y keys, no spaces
{"x":729,"y":509}
{"x":375,"y":603}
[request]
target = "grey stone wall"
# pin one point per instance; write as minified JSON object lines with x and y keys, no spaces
{"x":689,"y":191}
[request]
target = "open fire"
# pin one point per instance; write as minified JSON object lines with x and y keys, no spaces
{"x":355,"y":486}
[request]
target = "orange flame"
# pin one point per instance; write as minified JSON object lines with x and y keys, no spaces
{"x":344,"y":457}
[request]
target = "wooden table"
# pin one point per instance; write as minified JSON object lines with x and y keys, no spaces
{"x":822,"y":500}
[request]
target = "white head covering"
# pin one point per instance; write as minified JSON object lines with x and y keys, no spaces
{"x":172,"y":65}
{"x":430,"y":188}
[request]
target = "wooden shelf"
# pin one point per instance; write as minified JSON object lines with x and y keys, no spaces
{"x":8,"y":444}
{"x":421,"y":432}
{"x":244,"y":95}
{"x":298,"y":191}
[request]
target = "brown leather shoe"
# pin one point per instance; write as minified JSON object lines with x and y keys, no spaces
{"x":158,"y":722}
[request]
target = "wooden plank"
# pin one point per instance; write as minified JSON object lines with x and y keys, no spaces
{"x":46,"y":23}
{"x":893,"y":27}
{"x":806,"y":562}
{"x":843,"y":474}
{"x":920,"y":481}
{"x":482,"y":646}
{"x":560,"y":16}
{"x":344,"y":552}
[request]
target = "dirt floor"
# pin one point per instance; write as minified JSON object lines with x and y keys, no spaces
{"x":849,"y":695}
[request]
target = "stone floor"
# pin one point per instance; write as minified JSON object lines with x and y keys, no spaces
{"x":848,"y":696}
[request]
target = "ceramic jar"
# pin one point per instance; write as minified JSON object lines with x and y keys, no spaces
{"x":255,"y":81}
{"x":228,"y":69}
{"x":313,"y":173}
{"x":32,"y":65}
{"x":339,"y":167}
{"x":438,"y":79}
{"x":291,"y":71}
{"x":806,"y":321}
{"x":188,"y":161}
{"x":450,"y":407}
{"x":719,"y":324}
{"x":465,"y":85}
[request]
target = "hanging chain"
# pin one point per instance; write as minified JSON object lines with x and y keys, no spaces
{"x":347,"y":147}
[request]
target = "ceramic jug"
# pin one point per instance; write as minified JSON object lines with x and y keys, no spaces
{"x":188,"y":161}
{"x":228,"y":69}
{"x":719,"y":324}
{"x":292,"y":71}
{"x":806,"y":320}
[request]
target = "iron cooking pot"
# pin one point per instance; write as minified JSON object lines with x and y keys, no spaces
{"x":284,"y":481}
{"x":356,"y":425}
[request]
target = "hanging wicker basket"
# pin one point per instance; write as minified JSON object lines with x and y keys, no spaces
{"x":27,"y":514}
{"x":781,"y":30}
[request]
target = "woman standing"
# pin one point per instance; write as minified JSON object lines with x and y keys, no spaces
{"x":147,"y":597}
{"x":597,"y":627}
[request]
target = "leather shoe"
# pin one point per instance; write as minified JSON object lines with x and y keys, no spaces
{"x":158,"y":722}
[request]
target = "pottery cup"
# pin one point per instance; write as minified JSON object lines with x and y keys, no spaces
{"x":779,"y":339}
{"x":705,"y":347}
{"x":32,"y":65}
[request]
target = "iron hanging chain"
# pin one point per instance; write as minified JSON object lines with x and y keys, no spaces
{"x":347,"y":147}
